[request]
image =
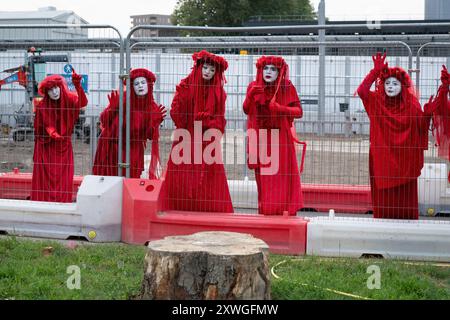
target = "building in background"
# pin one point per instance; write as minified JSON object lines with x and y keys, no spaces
{"x":437,"y":9}
{"x":152,"y":19}
{"x":46,"y":15}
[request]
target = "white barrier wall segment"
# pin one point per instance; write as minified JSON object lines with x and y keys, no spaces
{"x":244,"y":193}
{"x":393,"y":239}
{"x":39,"y":219}
{"x":96,"y":216}
{"x":434,"y":194}
{"x":99,"y":202}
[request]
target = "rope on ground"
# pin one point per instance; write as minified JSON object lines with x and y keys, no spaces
{"x":272,"y":271}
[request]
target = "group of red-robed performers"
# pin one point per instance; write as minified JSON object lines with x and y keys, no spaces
{"x":398,"y":137}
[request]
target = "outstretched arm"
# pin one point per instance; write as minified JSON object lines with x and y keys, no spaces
{"x":158,"y":113}
{"x":107,"y":115}
{"x":442,"y":95}
{"x":82,"y":99}
{"x":379,"y":64}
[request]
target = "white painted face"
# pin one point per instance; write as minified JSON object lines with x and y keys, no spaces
{"x":54,"y":93}
{"x":270,"y":73}
{"x":140,"y":86}
{"x":208,"y":71}
{"x":392,"y":87}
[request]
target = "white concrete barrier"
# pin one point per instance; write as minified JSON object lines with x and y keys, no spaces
{"x":424,"y":240}
{"x":96,"y":216}
{"x":434,"y":194}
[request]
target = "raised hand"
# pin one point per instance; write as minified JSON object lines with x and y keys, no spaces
{"x":445,"y":77}
{"x":76,"y":79}
{"x":256,"y":90}
{"x":430,"y":107}
{"x":379,"y":62}
{"x":113,"y":99}
{"x":163,"y":111}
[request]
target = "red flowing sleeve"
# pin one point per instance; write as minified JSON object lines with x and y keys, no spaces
{"x":442,"y":100}
{"x":81,"y":100}
{"x":249,"y":103}
{"x":179,"y":112}
{"x":364,"y":92}
{"x":441,"y":121}
{"x":218,"y":120}
{"x":294,"y":108}
{"x":154,"y":120}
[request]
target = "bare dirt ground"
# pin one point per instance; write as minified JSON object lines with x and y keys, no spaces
{"x":329,"y":159}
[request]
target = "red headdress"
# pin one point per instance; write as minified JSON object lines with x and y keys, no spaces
{"x":283,"y":73}
{"x":401,"y":75}
{"x":58,"y":114}
{"x":137,"y":102}
{"x":212,"y":89}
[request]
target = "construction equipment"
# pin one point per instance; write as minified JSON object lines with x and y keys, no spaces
{"x":29,"y":76}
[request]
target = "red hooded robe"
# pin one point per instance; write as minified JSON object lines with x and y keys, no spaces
{"x":53,"y":157}
{"x":398,"y":138}
{"x":282,"y":191}
{"x":145,"y":120}
{"x":190,"y":186}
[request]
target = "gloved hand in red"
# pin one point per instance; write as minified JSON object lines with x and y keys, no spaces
{"x":202,"y":116}
{"x":445,"y":76}
{"x":379,"y":62}
{"x":255,"y":90}
{"x":161,"y":115}
{"x":430,"y":107}
{"x":113,"y":99}
{"x":76,"y":79}
{"x":53,"y":134}
{"x":279,"y":109}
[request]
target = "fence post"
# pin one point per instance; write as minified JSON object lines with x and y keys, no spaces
{"x":347,"y":114}
{"x":322,"y":82}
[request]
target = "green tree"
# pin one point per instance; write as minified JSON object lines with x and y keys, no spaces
{"x":232,"y":13}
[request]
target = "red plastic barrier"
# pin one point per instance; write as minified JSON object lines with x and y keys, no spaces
{"x":142,"y":221}
{"x":341,"y":198}
{"x":16,"y":185}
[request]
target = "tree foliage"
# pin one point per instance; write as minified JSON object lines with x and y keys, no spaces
{"x":232,"y":13}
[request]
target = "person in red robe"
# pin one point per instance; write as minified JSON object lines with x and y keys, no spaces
{"x":55,"y":118}
{"x":146,"y":116}
{"x":272,"y":104}
{"x":192,"y":183}
{"x":398,"y":138}
{"x":441,"y":117}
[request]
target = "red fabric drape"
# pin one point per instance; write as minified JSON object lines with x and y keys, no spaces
{"x":281,"y":191}
{"x":190,"y":186}
{"x":144,"y":122}
{"x":398,"y":138}
{"x":53,"y":158}
{"x":441,"y":122}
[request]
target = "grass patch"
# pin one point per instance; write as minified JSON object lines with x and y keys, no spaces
{"x":108,"y":271}
{"x":115,"y":271}
{"x":331,"y":278}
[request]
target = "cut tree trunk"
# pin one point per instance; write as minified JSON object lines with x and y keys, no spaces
{"x":207,"y":265}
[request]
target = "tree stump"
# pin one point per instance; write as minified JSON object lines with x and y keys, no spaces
{"x":207,"y":266}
